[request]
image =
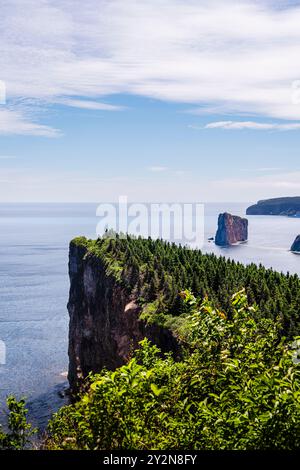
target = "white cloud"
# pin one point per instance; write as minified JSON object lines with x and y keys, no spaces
{"x":92,"y":105}
{"x":72,"y":186}
{"x":267,"y":169}
{"x":250,"y":125}
{"x":262,"y":185}
{"x":221,"y":57}
{"x":157,"y":169}
{"x":262,"y":169}
{"x":14,"y":122}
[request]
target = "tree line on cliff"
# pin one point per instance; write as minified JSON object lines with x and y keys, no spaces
{"x":157,"y":271}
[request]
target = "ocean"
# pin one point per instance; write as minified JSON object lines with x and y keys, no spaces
{"x":34,"y":288}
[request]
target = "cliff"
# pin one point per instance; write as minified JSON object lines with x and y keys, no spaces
{"x":104,"y":326}
{"x":123,"y":290}
{"x":231,"y":229}
{"x":288,"y":206}
{"x":296,"y":245}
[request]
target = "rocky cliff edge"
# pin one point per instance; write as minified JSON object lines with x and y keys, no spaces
{"x":104,"y":325}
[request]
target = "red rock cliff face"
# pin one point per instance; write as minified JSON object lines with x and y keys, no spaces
{"x":104,"y":325}
{"x":231,"y":229}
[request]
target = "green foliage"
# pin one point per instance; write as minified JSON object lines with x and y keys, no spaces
{"x":20,"y":431}
{"x":236,"y":387}
{"x":155,"y":271}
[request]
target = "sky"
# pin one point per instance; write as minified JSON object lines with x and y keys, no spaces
{"x":158,"y":100}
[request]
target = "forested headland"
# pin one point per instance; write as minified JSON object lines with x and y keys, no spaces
{"x":236,"y":384}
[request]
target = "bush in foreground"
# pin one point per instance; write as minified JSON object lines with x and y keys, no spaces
{"x":236,"y":387}
{"x":19,"y":431}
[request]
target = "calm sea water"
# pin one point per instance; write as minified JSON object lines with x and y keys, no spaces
{"x":34,"y":287}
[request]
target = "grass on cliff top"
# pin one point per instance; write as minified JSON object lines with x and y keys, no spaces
{"x":155,"y":272}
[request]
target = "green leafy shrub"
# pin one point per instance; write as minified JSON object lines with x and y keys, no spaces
{"x":19,"y":431}
{"x":237,"y":387}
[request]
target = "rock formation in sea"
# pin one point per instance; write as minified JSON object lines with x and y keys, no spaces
{"x":104,"y":326}
{"x":231,"y":229}
{"x":296,"y":245}
{"x":288,"y":206}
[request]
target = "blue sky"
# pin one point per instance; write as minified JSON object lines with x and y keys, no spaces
{"x":158,"y":100}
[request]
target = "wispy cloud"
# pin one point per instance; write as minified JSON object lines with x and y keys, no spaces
{"x":251,"y":125}
{"x":235,"y":57}
{"x":270,"y":168}
{"x":262,"y":169}
{"x":264,"y":185}
{"x":157,"y":169}
{"x":91,"y":105}
{"x":70,"y":186}
{"x":14,"y":122}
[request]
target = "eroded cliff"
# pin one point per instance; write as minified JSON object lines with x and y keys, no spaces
{"x":104,"y":325}
{"x":231,"y":229}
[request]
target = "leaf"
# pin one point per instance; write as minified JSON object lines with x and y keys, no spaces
{"x":97,"y":384}
{"x":156,"y":390}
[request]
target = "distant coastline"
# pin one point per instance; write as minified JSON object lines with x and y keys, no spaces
{"x":283,"y":206}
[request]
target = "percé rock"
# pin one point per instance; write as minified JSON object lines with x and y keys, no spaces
{"x":288,"y":206}
{"x":296,"y":245}
{"x":231,"y":229}
{"x":104,"y":326}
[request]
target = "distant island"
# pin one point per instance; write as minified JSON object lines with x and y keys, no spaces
{"x":287,"y":206}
